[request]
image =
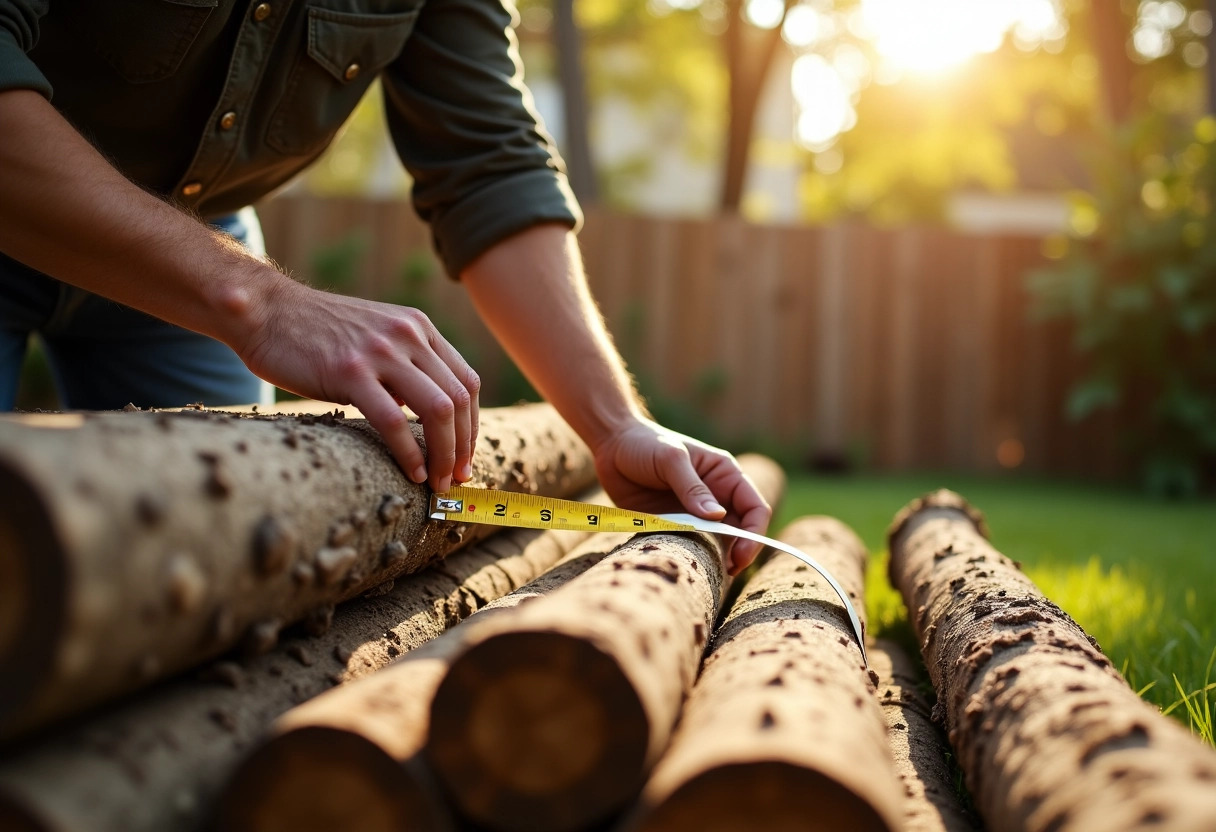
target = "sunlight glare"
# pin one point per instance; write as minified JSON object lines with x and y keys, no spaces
{"x":765,"y":14}
{"x":934,"y":36}
{"x":824,"y":100}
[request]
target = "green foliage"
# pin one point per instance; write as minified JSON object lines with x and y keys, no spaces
{"x":1139,"y":286}
{"x":335,"y":266}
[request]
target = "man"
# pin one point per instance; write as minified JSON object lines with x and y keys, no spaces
{"x":165,"y":111}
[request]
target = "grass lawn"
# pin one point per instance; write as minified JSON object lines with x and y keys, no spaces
{"x":1139,"y":574}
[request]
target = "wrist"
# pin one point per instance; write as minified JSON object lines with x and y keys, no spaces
{"x":244,"y":301}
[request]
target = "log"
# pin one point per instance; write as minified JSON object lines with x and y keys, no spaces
{"x":552,"y":716}
{"x":782,"y":730}
{"x":139,"y":544}
{"x":1048,"y":735}
{"x":349,"y":758}
{"x":931,"y":801}
{"x":159,"y":761}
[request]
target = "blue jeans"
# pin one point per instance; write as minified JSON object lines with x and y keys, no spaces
{"x":104,"y":355}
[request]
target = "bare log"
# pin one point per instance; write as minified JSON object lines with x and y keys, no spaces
{"x":782,"y":730}
{"x":158,"y":762}
{"x":1047,"y":733}
{"x":138,"y":544}
{"x":349,"y":758}
{"x":931,"y":802}
{"x":553,"y":715}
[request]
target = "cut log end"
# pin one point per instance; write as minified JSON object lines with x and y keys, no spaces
{"x":320,"y":778}
{"x":568,"y":702}
{"x":31,"y":567}
{"x":788,"y":797}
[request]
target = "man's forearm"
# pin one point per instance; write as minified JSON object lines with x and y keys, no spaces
{"x":65,"y":211}
{"x":530,"y":291}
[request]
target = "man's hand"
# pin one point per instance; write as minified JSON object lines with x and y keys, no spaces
{"x":531,"y":292}
{"x":377,"y":357}
{"x":650,"y":468}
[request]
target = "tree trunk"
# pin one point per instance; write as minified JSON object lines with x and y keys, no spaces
{"x":158,"y":762}
{"x":746,"y":76}
{"x":552,"y":716}
{"x":1047,"y":733}
{"x":349,"y":759}
{"x":139,"y":544}
{"x":1111,"y":31}
{"x":782,"y":730}
{"x":931,"y":802}
{"x":576,"y":144}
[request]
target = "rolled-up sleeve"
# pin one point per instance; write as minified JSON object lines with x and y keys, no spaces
{"x":465,"y":127}
{"x":18,"y":34}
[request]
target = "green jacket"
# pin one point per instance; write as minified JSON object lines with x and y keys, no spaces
{"x":215,"y":103}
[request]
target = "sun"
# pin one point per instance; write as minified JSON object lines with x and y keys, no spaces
{"x":934,"y":36}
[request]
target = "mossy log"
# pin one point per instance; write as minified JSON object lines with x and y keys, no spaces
{"x":782,"y":730}
{"x":1049,"y":736}
{"x":134,"y":545}
{"x":349,"y":758}
{"x":931,"y":800}
{"x":553,"y":715}
{"x":158,"y":761}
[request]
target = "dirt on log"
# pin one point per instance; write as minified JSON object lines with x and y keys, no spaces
{"x":931,"y":801}
{"x":158,"y":762}
{"x":552,"y":716}
{"x":139,"y":544}
{"x":349,"y":758}
{"x":1049,"y":736}
{"x":782,"y":730}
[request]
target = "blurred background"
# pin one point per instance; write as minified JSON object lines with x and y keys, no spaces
{"x":859,"y":234}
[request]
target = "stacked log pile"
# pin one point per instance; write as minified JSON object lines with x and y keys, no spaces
{"x":1048,"y":734}
{"x":569,"y":700}
{"x":139,"y":544}
{"x":551,"y":717}
{"x":348,"y":759}
{"x":157,"y":761}
{"x":783,"y":693}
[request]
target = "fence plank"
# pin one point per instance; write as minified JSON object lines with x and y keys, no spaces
{"x":915,"y":345}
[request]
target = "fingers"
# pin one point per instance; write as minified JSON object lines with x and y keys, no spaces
{"x":754,"y":514}
{"x":450,"y":371}
{"x":390,"y":421}
{"x":676,"y":467}
{"x":422,"y":370}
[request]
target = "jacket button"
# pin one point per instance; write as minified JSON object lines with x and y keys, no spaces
{"x":192,"y":188}
{"x":228,"y":121}
{"x":261,"y":11}
{"x":352,"y":72}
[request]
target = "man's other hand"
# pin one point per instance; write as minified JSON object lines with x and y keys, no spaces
{"x":647,"y":467}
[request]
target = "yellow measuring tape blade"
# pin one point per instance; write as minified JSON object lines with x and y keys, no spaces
{"x":461,"y":504}
{"x":508,"y":508}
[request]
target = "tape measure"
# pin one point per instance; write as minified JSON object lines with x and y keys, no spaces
{"x":463,"y":504}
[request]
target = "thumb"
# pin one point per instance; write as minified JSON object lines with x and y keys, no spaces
{"x":693,"y":494}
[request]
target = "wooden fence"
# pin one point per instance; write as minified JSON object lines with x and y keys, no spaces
{"x":906,"y":349}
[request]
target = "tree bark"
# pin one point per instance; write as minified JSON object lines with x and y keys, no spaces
{"x":576,"y":144}
{"x":782,"y":730}
{"x":931,"y":802}
{"x":746,"y":76}
{"x":1047,"y":733}
{"x":1111,"y":31}
{"x":158,"y":762}
{"x":552,"y":715}
{"x":349,"y":759}
{"x":139,"y":544}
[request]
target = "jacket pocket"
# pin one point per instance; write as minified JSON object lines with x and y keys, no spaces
{"x":344,"y":54}
{"x":143,"y":40}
